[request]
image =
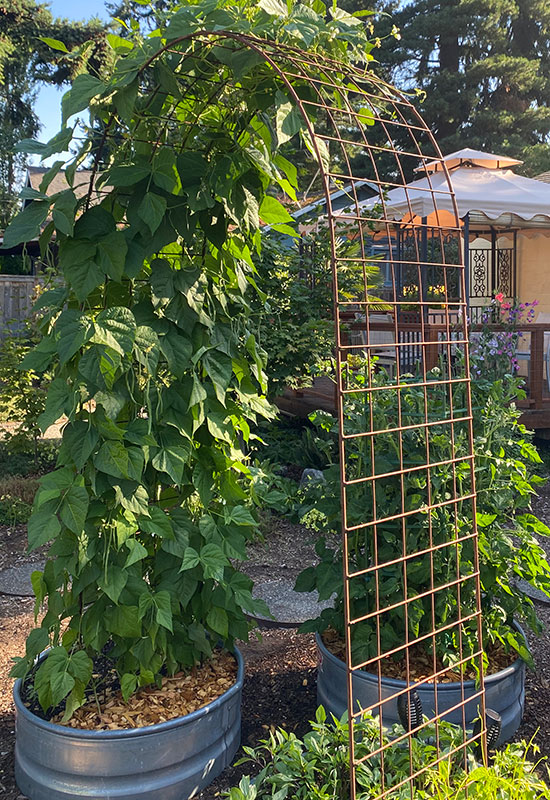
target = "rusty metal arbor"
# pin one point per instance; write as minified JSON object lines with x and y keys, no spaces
{"x":402,"y":376}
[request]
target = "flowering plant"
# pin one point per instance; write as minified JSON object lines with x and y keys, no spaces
{"x":495,"y":352}
{"x":411,"y":296}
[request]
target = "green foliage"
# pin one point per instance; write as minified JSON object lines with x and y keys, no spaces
{"x":318,"y":766}
{"x":27,"y":59}
{"x":506,"y":481}
{"x":156,"y":365}
{"x":14,"y":265}
{"x":16,"y":499}
{"x":22,"y":391}
{"x":505,"y":463}
{"x":271,"y":490}
{"x":291,"y":440}
{"x":510,"y":777}
{"x":295,"y":321}
{"x":39,"y":459}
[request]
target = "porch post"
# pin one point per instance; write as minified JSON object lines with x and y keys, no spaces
{"x":514,"y":276}
{"x":466,"y":235}
{"x":424,"y":268}
{"x":397,"y":276}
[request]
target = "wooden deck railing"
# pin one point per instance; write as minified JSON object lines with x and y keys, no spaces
{"x":533,"y":352}
{"x":429,"y":341}
{"x":415,"y":341}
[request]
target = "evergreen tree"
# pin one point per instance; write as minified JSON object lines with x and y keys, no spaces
{"x":148,"y":14}
{"x":485,"y":68}
{"x":26,"y":61}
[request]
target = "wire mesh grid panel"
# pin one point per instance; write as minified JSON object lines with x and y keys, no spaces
{"x":412,"y":594}
{"x":411,"y":581}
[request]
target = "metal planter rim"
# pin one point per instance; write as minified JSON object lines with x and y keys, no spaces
{"x":397,"y":684}
{"x":126,"y":733}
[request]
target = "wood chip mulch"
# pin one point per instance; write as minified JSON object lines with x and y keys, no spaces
{"x":421,"y":666}
{"x":179,"y":695}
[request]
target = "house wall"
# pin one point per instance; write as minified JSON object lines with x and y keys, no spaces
{"x":533,"y":269}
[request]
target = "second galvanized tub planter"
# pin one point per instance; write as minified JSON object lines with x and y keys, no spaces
{"x":504,"y":693}
{"x":173,"y":760}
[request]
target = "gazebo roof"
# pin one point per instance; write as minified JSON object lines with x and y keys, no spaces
{"x":470,"y":158}
{"x":491,"y":194}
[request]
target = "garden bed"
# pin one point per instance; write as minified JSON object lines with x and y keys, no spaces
{"x":280,"y":688}
{"x":421,"y":666}
{"x":179,"y":695}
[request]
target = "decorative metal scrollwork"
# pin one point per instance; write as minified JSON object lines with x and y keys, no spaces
{"x":505,"y":262}
{"x":479,"y":265}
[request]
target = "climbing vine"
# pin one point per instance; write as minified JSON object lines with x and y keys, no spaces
{"x":156,"y":368}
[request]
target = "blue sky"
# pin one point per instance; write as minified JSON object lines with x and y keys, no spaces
{"x":48,"y":104}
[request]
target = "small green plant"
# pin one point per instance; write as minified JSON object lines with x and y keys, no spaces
{"x":318,"y":766}
{"x":269,"y":489}
{"x":22,"y":391}
{"x":295,"y":441}
{"x":16,"y":499}
{"x":510,"y":776}
{"x":506,"y":480}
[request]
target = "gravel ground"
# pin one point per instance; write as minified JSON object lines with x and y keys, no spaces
{"x":279,"y":687}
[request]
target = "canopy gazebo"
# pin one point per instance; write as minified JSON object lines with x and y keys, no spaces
{"x":505,"y":221}
{"x":504,"y":238}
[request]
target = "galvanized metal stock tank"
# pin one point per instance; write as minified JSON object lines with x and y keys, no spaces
{"x":504,"y":692}
{"x":170,"y":761}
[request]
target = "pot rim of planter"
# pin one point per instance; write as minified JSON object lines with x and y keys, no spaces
{"x":123,"y":733}
{"x":399,"y":683}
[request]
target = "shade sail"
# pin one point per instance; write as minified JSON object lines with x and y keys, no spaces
{"x":490,"y":192}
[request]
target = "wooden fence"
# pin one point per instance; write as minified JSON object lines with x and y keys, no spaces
{"x":16,"y":298}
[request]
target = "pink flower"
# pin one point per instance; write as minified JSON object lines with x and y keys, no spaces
{"x":499,"y":297}
{"x":506,"y":306}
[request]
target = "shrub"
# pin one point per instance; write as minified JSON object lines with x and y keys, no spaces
{"x":318,"y":766}
{"x":295,"y":319}
{"x":16,"y":499}
{"x":22,"y":391}
{"x":505,"y":460}
{"x":36,"y":459}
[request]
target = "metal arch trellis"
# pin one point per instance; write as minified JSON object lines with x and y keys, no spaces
{"x":363,"y":117}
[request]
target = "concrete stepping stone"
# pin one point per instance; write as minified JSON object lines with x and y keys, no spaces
{"x":289,"y":608}
{"x":16,"y":580}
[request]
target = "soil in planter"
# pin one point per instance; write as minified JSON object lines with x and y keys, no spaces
{"x":421,"y":665}
{"x":179,"y":695}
